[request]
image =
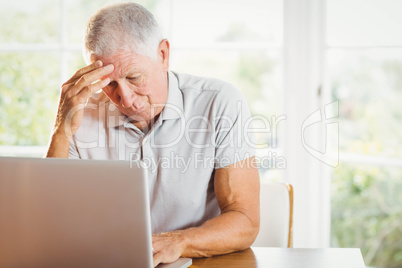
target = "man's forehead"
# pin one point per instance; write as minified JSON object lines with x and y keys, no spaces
{"x":118,"y":58}
{"x":124,"y":62}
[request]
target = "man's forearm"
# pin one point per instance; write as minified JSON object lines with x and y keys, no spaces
{"x":237,"y":189}
{"x":229,"y":232}
{"x":58,"y":146}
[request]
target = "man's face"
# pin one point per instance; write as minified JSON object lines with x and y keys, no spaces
{"x":139,"y":85}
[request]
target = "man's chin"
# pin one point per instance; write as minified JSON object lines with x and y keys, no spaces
{"x":132,"y":113}
{"x":136,"y":117}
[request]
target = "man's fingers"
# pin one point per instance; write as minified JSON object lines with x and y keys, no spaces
{"x":157,"y":258}
{"x":86,"y":69}
{"x":94,"y":75}
{"x":86,"y":92}
{"x":164,"y":257}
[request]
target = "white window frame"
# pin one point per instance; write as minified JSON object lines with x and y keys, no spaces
{"x":304,"y":54}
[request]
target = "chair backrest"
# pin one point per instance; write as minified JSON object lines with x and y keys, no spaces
{"x":276,"y":215}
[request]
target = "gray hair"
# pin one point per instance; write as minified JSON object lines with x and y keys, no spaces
{"x":125,"y":26}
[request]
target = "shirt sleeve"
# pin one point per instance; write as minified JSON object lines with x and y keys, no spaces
{"x":232,"y":120}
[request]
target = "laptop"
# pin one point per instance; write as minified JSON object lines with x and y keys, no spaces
{"x":75,"y":213}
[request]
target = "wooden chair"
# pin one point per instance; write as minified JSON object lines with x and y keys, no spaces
{"x":276,"y":210}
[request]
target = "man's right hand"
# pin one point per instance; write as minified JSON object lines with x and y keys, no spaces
{"x":73,"y":98}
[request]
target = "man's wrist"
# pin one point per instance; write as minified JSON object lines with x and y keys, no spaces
{"x":59,"y":144}
{"x":62,"y":132}
{"x":184,"y":241}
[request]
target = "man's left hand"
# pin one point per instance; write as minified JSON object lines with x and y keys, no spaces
{"x":167,"y":247}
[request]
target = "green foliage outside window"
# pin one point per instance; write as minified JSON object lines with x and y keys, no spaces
{"x":366,"y":199}
{"x":28,"y":97}
{"x":367,"y":212}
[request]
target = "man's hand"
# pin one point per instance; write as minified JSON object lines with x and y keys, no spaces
{"x":73,"y":98}
{"x":168,"y":247}
{"x":75,"y":94}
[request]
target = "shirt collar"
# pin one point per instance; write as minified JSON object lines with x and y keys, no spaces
{"x":173,"y":108}
{"x":174,"y":104}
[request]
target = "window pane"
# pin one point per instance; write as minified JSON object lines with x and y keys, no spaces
{"x":257,"y":74}
{"x":368,"y":84}
{"x":76,"y":62}
{"x":29,"y":89}
{"x":79,"y":11}
{"x":205,"y":22}
{"x":29,"y":21}
{"x":364,"y":22}
{"x":367,"y":212}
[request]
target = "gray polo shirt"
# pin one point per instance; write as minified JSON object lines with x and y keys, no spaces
{"x":201,"y":128}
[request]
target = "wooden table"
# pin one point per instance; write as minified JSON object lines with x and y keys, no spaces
{"x":286,"y":257}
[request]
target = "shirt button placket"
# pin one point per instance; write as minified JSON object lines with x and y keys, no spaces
{"x":147,"y":152}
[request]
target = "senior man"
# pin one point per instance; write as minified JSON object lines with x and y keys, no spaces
{"x":127,"y":105}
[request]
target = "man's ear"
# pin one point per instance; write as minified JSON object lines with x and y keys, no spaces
{"x":163,"y":54}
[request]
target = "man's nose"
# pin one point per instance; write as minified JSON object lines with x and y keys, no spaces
{"x":127,"y":96}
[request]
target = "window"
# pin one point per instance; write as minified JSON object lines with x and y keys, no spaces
{"x":239,"y":42}
{"x":29,"y":74}
{"x":364,"y":60}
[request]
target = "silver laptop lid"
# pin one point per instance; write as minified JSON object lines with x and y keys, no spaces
{"x":73,"y":213}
